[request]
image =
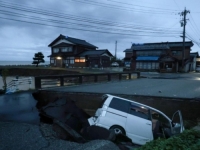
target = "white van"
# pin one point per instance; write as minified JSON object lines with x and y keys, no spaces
{"x":139,"y":122}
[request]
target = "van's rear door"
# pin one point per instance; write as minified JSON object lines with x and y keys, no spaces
{"x":139,"y":125}
{"x":177,"y":123}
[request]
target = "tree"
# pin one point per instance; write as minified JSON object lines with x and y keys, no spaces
{"x":39,"y":58}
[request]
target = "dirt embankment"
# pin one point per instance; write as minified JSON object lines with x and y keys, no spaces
{"x":37,"y":71}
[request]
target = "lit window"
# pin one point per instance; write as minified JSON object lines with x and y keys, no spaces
{"x":80,"y":59}
{"x":77,"y":60}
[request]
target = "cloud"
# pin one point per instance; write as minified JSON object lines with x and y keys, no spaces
{"x":23,"y":39}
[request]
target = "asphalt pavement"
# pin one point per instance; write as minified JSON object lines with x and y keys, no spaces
{"x":22,"y":136}
{"x":175,"y":85}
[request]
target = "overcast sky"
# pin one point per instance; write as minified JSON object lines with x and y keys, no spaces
{"x":27,"y":27}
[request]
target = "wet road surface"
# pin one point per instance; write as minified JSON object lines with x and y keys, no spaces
{"x":19,"y":107}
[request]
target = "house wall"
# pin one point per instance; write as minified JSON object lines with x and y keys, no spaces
{"x":128,"y":54}
{"x":76,"y":49}
{"x":98,"y":62}
{"x":175,"y":52}
{"x":179,"y":56}
{"x":193,"y":67}
{"x":79,"y":64}
{"x":187,"y":52}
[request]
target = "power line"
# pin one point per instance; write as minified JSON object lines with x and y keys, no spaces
{"x":122,"y":8}
{"x":176,"y":4}
{"x":84,"y":25}
{"x":117,"y":28}
{"x":66,"y":16}
{"x":191,"y":38}
{"x":76,"y":28}
{"x":157,"y":8}
{"x":192,"y":28}
{"x":195,"y":24}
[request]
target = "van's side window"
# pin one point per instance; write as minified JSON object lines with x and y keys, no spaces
{"x":120,"y":104}
{"x":140,"y":111}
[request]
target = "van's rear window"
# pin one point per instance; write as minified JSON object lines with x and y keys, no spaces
{"x":119,"y":104}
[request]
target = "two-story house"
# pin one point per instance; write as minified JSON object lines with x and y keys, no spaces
{"x":72,"y":52}
{"x":163,"y":57}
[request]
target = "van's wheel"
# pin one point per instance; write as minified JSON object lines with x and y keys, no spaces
{"x":118,"y":130}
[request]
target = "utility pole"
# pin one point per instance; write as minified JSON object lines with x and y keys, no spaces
{"x":116,"y":50}
{"x":183,"y":24}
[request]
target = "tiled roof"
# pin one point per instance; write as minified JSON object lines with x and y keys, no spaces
{"x":196,"y":54}
{"x":79,"y":41}
{"x":157,"y":46}
{"x":72,"y":40}
{"x":94,"y":52}
{"x":149,"y":47}
{"x":128,"y":50}
{"x":172,"y":44}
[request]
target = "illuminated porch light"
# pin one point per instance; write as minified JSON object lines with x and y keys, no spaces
{"x":58,"y":58}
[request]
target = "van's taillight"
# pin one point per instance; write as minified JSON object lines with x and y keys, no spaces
{"x":103,"y":113}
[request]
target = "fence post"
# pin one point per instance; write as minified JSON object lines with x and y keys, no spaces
{"x":61,"y":81}
{"x":109,"y":77}
{"x":80,"y":79}
{"x":138,"y":74}
{"x":120,"y":76}
{"x":95,"y":78}
{"x":129,"y":76}
{"x":37,"y":82}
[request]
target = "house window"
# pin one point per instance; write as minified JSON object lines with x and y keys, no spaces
{"x":52,"y":61}
{"x":55,"y":50}
{"x":176,"y":53}
{"x":69,"y":49}
{"x":77,"y":60}
{"x":69,"y":60}
{"x":82,"y":59}
{"x":66,"y":49}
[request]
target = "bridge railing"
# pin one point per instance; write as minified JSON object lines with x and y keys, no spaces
{"x":67,"y":80}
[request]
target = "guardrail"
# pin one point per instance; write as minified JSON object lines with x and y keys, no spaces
{"x":13,"y":85}
{"x":66,"y":80}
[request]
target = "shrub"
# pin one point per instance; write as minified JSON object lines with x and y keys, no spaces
{"x":188,"y":140}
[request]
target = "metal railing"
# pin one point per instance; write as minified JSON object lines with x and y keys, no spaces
{"x":66,"y":80}
{"x":14,"y":85}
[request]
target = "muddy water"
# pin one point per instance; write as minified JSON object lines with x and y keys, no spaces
{"x":19,"y":107}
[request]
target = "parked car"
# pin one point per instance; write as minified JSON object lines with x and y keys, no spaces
{"x":115,"y":64}
{"x":139,"y":122}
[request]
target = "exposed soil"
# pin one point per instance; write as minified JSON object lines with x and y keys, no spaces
{"x":37,"y":71}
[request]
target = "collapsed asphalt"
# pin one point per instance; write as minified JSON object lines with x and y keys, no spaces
{"x":20,"y":126}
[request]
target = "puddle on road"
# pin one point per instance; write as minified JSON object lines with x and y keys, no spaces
{"x":19,"y":107}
